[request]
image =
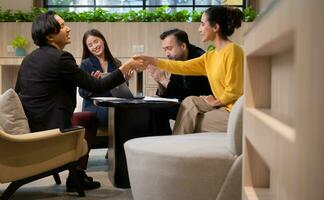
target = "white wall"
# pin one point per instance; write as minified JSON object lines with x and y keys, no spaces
{"x":262,"y":4}
{"x":24,"y":5}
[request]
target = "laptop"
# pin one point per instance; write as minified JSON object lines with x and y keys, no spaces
{"x":123,"y":91}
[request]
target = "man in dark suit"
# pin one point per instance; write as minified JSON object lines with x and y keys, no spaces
{"x":176,"y":46}
{"x":48,"y":78}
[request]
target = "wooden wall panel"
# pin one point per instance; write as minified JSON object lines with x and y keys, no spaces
{"x":284,"y":140}
{"x":120,"y":36}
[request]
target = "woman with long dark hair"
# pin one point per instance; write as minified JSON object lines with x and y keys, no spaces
{"x":97,"y":60}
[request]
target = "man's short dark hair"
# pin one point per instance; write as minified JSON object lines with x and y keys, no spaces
{"x":44,"y":25}
{"x":180,"y":35}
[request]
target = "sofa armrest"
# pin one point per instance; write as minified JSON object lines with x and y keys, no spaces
{"x":42,"y":135}
{"x":29,"y":154}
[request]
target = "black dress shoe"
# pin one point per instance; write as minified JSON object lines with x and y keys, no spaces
{"x":82,"y":174}
{"x":87,"y":183}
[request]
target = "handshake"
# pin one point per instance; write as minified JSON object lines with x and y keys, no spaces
{"x":136,"y":63}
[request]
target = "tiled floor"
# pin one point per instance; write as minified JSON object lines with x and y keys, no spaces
{"x":46,"y":189}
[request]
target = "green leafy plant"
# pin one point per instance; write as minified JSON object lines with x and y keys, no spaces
{"x":19,"y":42}
{"x":19,"y":16}
{"x":249,"y":14}
{"x":161,"y":14}
{"x":196,"y":16}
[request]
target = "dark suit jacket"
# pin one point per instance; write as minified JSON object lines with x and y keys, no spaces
{"x":181,"y":87}
{"x":46,"y":85}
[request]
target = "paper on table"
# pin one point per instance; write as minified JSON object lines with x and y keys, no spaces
{"x":147,"y":98}
{"x":107,"y":98}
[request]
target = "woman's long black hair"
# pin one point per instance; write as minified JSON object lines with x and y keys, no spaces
{"x":86,"y":53}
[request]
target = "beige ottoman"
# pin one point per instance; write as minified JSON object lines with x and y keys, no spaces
{"x":188,"y":167}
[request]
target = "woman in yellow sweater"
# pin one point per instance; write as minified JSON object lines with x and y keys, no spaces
{"x":222,"y":66}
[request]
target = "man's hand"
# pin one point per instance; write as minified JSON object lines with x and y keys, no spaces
{"x":145,"y":60}
{"x":158,"y":75}
{"x":130,"y":66}
{"x":211,"y":100}
{"x":128,"y":75}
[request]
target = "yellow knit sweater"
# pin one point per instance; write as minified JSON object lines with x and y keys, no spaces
{"x":224,"y":70}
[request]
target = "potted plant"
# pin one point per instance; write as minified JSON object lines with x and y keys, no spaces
{"x":20,"y":43}
{"x":249,"y":14}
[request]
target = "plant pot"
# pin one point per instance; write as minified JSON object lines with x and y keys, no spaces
{"x":20,"y":52}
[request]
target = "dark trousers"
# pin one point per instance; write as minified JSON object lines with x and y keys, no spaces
{"x":90,"y":122}
{"x":162,"y":118}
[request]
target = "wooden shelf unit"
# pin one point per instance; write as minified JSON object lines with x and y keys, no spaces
{"x":8,"y":72}
{"x":283,"y":114}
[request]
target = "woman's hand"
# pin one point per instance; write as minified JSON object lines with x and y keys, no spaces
{"x":146,"y":60}
{"x":211,"y":100}
{"x":96,"y":74}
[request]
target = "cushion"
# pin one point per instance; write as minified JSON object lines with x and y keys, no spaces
{"x":12,"y":116}
{"x":234,"y":127}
